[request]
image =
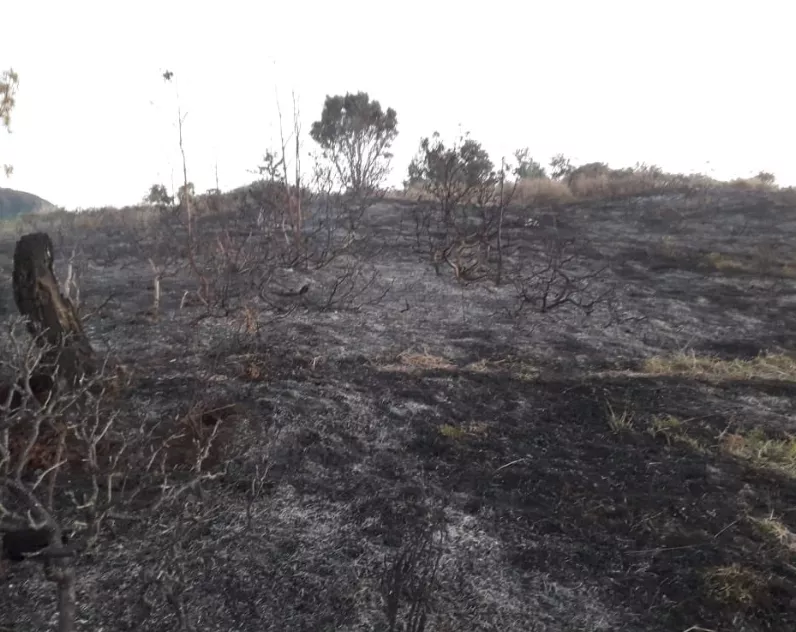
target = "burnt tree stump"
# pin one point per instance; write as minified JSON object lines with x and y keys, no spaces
{"x":52,"y":318}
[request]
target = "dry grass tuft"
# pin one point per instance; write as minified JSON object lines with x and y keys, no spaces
{"x":756,"y":447}
{"x":589,"y":186}
{"x":253,"y":372}
{"x":736,"y":585}
{"x":418,"y":361}
{"x":784,"y":197}
{"x":494,"y":366}
{"x":673,"y":430}
{"x":762,"y":264}
{"x":425,"y":361}
{"x":484,"y":366}
{"x":621,"y":421}
{"x":418,"y":193}
{"x":751,"y":184}
{"x":776,"y":366}
{"x":473,"y":429}
{"x":777,"y":531}
{"x":580,"y":186}
{"x":722,"y":262}
{"x":542,"y":192}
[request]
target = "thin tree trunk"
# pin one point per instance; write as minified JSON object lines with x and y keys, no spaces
{"x":186,"y":196}
{"x":157,"y":274}
{"x":501,"y":212}
{"x":204,"y":294}
{"x":67,"y":601}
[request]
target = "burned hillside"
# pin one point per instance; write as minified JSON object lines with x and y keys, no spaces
{"x":358,"y":426}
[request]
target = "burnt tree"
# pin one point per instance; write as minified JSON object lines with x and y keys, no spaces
{"x":52,"y":318}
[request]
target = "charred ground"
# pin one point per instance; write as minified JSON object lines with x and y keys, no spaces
{"x":632,"y":470}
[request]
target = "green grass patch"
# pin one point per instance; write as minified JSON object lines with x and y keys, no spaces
{"x":672,"y":430}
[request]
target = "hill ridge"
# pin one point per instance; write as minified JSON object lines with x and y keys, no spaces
{"x":14,"y":203}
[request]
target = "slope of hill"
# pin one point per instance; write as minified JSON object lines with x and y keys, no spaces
{"x":14,"y":203}
{"x":395,"y":442}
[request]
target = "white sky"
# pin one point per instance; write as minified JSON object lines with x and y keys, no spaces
{"x":677,"y":83}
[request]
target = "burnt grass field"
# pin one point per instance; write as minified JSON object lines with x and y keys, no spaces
{"x":418,"y":455}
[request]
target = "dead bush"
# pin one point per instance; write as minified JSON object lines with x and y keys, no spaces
{"x":553,"y":274}
{"x":70,"y":460}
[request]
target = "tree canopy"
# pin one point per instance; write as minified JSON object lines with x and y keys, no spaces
{"x":355,"y":135}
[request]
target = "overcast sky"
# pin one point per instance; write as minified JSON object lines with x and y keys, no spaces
{"x":689,"y":85}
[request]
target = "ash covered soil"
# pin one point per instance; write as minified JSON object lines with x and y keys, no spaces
{"x":430,"y":450}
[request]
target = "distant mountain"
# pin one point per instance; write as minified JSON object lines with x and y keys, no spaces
{"x":14,"y":203}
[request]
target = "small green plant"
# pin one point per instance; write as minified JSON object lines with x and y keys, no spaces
{"x":450,"y":431}
{"x":460,"y":432}
{"x":673,"y":430}
{"x":619,"y":422}
{"x":667,"y":426}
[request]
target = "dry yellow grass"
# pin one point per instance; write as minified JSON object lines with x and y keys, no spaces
{"x":424,"y":360}
{"x":593,"y":186}
{"x":81,"y":221}
{"x":755,"y":446}
{"x":751,"y":184}
{"x":418,"y":193}
{"x":516,"y":367}
{"x":605,"y":185}
{"x":736,"y":585}
{"x":472,"y":429}
{"x":764,"y":264}
{"x":723,"y":262}
{"x":776,"y":366}
{"x":777,"y":531}
{"x":485,"y":366}
{"x":542,"y":191}
{"x":784,"y":198}
{"x":419,"y":361}
{"x":588,"y":186}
